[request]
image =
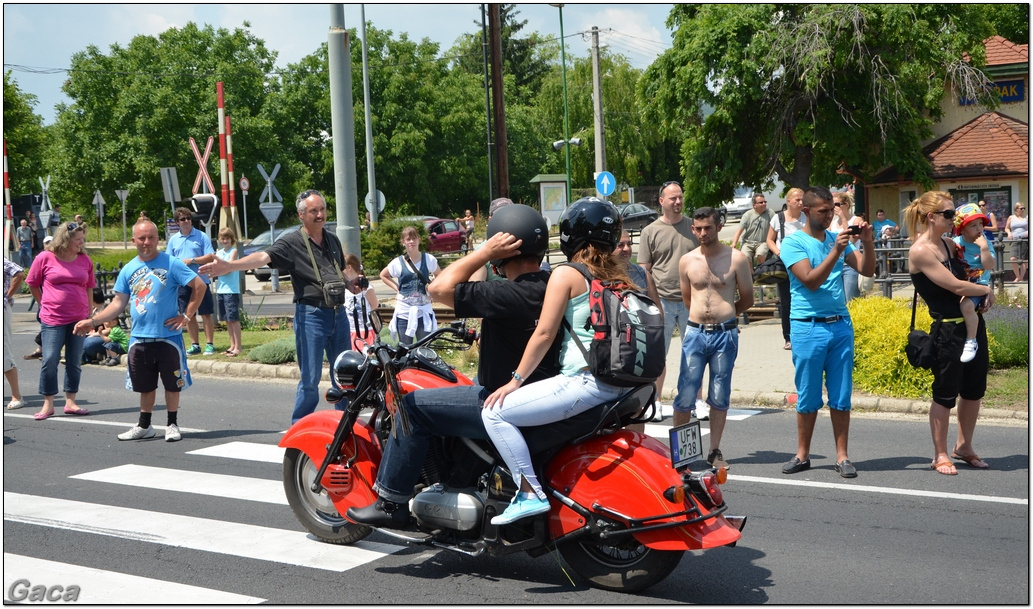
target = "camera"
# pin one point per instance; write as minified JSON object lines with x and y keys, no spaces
{"x":364,"y":283}
{"x":853,"y":230}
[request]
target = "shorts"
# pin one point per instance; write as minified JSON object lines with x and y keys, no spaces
{"x":8,"y":351}
{"x":207,"y":305}
{"x":149,"y":361}
{"x":229,"y":307}
{"x":951,"y":377}
{"x":700,"y":349}
{"x":1020,"y":250}
{"x":823,"y":351}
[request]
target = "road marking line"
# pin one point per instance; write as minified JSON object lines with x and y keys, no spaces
{"x":245,"y":451}
{"x":222,"y":537}
{"x":881,"y":489}
{"x":187,"y":481}
{"x":65,"y":418}
{"x":100,"y":587}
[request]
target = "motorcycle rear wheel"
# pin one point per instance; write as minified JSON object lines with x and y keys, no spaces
{"x":620,"y":568}
{"x":315,"y":511}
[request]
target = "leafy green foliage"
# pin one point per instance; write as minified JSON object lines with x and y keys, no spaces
{"x":796,"y":91}
{"x":25,"y":138}
{"x":380,"y":246}
{"x":881,"y":326}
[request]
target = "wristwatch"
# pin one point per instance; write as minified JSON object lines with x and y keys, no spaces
{"x":517,"y":376}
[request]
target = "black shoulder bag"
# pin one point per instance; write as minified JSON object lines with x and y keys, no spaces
{"x":333,"y":291}
{"x":773,"y":270}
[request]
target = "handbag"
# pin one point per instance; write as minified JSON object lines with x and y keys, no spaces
{"x":920,"y":348}
{"x":773,"y":270}
{"x":770,"y":272}
{"x":333,"y":291}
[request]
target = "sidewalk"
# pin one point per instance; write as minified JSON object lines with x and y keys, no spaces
{"x":763,"y":374}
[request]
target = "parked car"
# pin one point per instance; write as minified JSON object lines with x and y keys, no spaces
{"x":264,"y":273}
{"x":259,"y":243}
{"x":446,"y":235}
{"x":635,"y":216}
{"x":742,"y":202}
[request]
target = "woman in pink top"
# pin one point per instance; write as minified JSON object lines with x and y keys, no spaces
{"x":61,"y":280}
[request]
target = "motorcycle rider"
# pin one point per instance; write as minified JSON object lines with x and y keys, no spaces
{"x":517,"y":239}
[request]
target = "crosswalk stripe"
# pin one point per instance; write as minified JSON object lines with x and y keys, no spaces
{"x":188,"y":481}
{"x":910,"y":492}
{"x":222,"y":537}
{"x":99,"y":587}
{"x":67,"y":418}
{"x":245,"y":451}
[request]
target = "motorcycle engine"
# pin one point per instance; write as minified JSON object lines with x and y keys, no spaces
{"x":438,"y":507}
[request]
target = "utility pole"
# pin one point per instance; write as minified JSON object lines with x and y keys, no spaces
{"x":597,"y":99}
{"x":342,"y":123}
{"x":495,"y":33}
{"x":371,"y":175}
{"x":487,"y":102}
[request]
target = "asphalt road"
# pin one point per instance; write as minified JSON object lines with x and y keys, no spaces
{"x":204,"y":520}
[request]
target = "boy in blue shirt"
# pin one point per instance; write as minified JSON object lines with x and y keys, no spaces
{"x":973,"y":248}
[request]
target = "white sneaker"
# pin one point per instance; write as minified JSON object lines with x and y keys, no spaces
{"x":137,"y":433}
{"x":172,"y":433}
{"x":658,"y":414}
{"x":702,"y":410}
{"x":971,"y":348}
{"x":15,"y":404}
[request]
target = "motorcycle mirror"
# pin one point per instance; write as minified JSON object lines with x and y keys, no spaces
{"x":375,"y":321}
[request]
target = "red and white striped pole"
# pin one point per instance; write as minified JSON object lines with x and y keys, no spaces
{"x":8,"y":215}
{"x":229,"y":162}
{"x":222,"y":149}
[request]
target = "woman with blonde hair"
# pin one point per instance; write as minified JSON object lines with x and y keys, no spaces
{"x":589,"y":231}
{"x":61,"y":280}
{"x":783,"y":224}
{"x":845,"y":218}
{"x":939,"y":278}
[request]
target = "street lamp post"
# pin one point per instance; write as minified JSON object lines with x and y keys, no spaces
{"x":566,"y":116}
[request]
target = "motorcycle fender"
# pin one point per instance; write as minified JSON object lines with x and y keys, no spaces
{"x":628,"y":472}
{"x":312,"y":434}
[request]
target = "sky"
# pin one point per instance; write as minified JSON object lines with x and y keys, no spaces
{"x":40,"y":39}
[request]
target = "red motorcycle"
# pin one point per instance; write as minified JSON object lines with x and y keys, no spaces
{"x":625,"y":507}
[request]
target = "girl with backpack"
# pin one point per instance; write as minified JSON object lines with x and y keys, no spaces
{"x":589,"y":232}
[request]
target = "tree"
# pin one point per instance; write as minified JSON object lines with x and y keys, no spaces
{"x":800,"y":91}
{"x":1010,"y":21}
{"x":25,"y":137}
{"x":134,"y":108}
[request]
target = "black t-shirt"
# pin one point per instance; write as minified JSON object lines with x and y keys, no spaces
{"x":291,"y":255}
{"x":510,"y":312}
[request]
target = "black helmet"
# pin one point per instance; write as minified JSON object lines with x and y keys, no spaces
{"x":348,"y":369}
{"x":589,"y":220}
{"x":524,"y":223}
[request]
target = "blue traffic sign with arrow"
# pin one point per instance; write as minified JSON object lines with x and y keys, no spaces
{"x":605,"y":183}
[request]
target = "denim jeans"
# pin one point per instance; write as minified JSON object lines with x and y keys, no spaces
{"x":25,"y":253}
{"x":547,"y":401}
{"x":850,"y":287}
{"x":822,"y":350}
{"x":675,"y":314}
{"x":53,"y":338}
{"x":700,"y":349}
{"x":93,"y":346}
{"x":403,"y":325}
{"x":317,"y":331}
{"x":449,"y":411}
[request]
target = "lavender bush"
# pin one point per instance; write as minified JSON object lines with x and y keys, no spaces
{"x":1007,"y":326}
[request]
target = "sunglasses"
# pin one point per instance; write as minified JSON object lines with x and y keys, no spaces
{"x":308,"y":193}
{"x":664,"y":186}
{"x":948,"y":214}
{"x":72,"y":226}
{"x":182,"y":219}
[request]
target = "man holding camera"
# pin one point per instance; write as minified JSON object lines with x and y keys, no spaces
{"x":315,"y":260}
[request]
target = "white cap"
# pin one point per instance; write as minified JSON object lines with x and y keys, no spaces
{"x":47,"y":239}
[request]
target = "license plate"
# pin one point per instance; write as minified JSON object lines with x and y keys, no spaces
{"x":686,"y":444}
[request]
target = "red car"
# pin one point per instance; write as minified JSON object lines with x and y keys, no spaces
{"x":446,"y":235}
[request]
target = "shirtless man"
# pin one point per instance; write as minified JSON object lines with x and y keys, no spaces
{"x":710,"y":276}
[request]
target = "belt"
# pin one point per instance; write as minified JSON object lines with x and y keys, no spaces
{"x":311,"y":302}
{"x":825,"y":320}
{"x":726,"y":325}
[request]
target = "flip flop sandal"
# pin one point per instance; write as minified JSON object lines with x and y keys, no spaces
{"x":968,"y":459}
{"x":944,"y":463}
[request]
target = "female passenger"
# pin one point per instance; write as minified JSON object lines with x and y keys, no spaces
{"x":589,"y":231}
{"x":938,"y":276}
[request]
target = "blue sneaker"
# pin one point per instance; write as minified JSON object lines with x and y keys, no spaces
{"x":209,"y":349}
{"x":194,"y":349}
{"x":522,"y":506}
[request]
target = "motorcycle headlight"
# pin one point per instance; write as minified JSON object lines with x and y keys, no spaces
{"x":348,"y":369}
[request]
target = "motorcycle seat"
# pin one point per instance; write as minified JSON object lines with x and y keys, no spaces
{"x":609,"y":416}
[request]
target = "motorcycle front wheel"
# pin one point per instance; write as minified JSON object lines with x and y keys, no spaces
{"x":315,"y":511}
{"x":622,"y":568}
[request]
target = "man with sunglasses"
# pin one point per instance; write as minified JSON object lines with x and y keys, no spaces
{"x":661,"y":246}
{"x":194,"y":248}
{"x":320,"y":328}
